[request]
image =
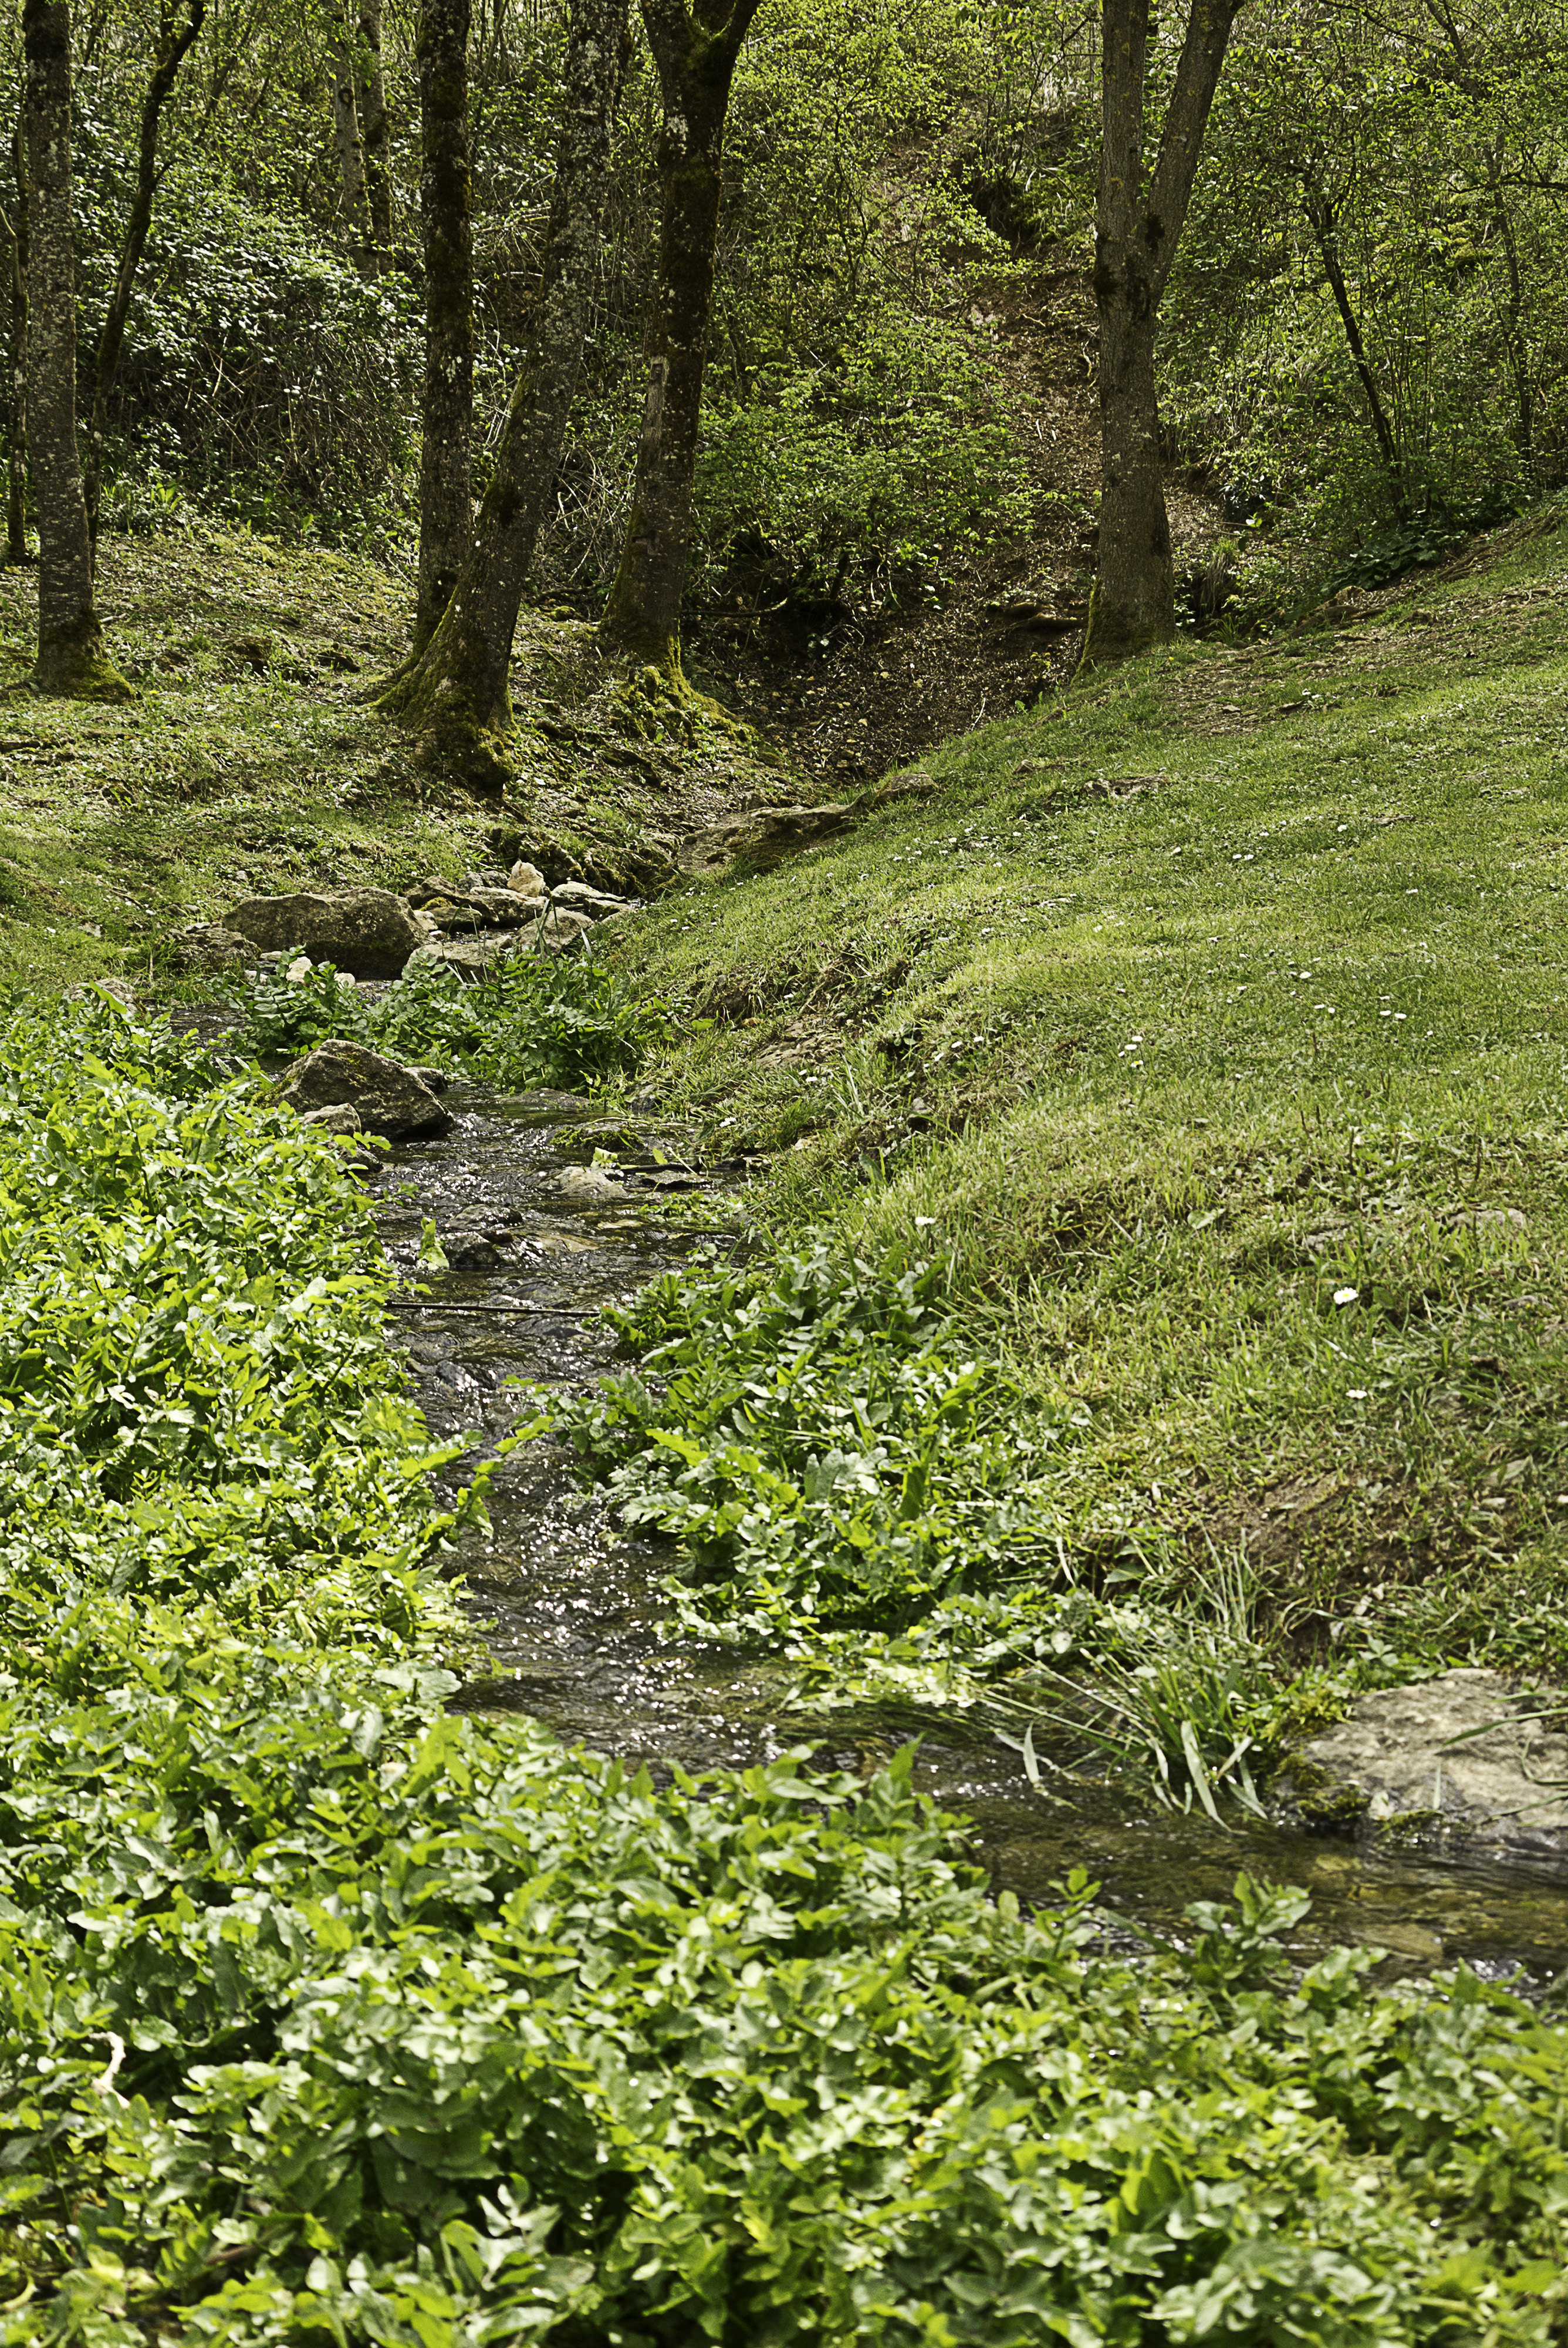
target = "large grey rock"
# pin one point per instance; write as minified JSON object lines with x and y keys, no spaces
{"x":597,"y":903}
{"x":389,"y":1097}
{"x":472,"y":956}
{"x":206,"y":946}
{"x":760,"y":837}
{"x":367,"y":930}
{"x":558,"y":927}
{"x":470,"y":907}
{"x":1462,"y":1760}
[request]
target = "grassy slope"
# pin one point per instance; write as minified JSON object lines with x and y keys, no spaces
{"x":1170,"y":1072}
{"x":247,"y":765}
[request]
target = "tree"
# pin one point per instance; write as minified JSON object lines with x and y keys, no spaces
{"x":348,"y":142}
{"x":1132,"y":605}
{"x":458,"y":686}
{"x":175,"y":39}
{"x":446,"y":216}
{"x":694,"y":50}
{"x":371,"y":101}
{"x":71,"y":656}
{"x":16,"y":433}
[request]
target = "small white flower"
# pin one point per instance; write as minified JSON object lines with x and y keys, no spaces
{"x":924,"y":1222}
{"x":1357,"y":1394}
{"x":1346,"y":1295}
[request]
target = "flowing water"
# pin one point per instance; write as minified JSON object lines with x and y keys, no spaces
{"x":571,"y":1608}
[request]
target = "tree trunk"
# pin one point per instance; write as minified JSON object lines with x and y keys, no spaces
{"x":348,"y":142}
{"x":1136,"y":229}
{"x":695,"y":54}
{"x":1320,"y":216}
{"x":458,"y":687}
{"x":175,"y":42}
{"x":446,"y":207}
{"x":71,"y":656}
{"x":370,"y":96}
{"x":16,"y":437}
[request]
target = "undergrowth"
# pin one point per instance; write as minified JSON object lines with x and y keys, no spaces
{"x":535,"y":1019}
{"x":327,"y":2013}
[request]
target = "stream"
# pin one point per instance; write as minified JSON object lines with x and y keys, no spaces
{"x":571,"y":1608}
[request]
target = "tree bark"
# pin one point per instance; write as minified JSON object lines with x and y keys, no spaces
{"x":1132,"y":605}
{"x":446,"y":207}
{"x":175,"y":42}
{"x":348,"y":142}
{"x":1320,"y":215}
{"x":16,"y":435}
{"x":71,"y":656}
{"x":371,"y":97}
{"x":696,"y":50}
{"x":457,"y":687}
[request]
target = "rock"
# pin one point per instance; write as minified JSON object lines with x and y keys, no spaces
{"x":390,"y":1098}
{"x":1462,"y":1760}
{"x":467,"y":907}
{"x":208,"y":946}
{"x":503,"y":906}
{"x":473,"y":955}
{"x":589,"y":1186}
{"x":491,"y":876}
{"x":527,"y":879}
{"x":435,"y":1080}
{"x":561,"y":926}
{"x":367,"y":930}
{"x":299,"y":969}
{"x":597,"y":903}
{"x":342,"y":1118}
{"x":762,"y":837}
{"x":471,"y":1251}
{"x":118,"y":989}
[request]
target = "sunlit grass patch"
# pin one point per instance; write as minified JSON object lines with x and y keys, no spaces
{"x":1171,"y":1042}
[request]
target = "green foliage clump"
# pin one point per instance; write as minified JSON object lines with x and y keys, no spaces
{"x":822,"y":1442}
{"x":890,"y":459}
{"x":196,"y":1409}
{"x":535,"y":1019}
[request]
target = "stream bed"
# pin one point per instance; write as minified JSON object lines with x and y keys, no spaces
{"x":571,"y":1608}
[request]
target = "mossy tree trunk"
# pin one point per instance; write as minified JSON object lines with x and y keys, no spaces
{"x":177,"y":33}
{"x":71,"y":656}
{"x":457,"y":687}
{"x":446,"y":219}
{"x":695,"y":49}
{"x":371,"y":100}
{"x":17,"y":434}
{"x":1137,"y":227}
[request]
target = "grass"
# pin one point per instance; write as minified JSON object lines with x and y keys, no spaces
{"x":248,"y":766}
{"x":1213,"y":1019}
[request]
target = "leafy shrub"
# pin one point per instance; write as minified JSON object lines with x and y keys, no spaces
{"x":891,"y":457}
{"x":535,"y":1019}
{"x":823,"y":1441}
{"x":261,"y":375}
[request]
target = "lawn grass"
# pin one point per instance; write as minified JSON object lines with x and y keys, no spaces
{"x":1213,"y":1019}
